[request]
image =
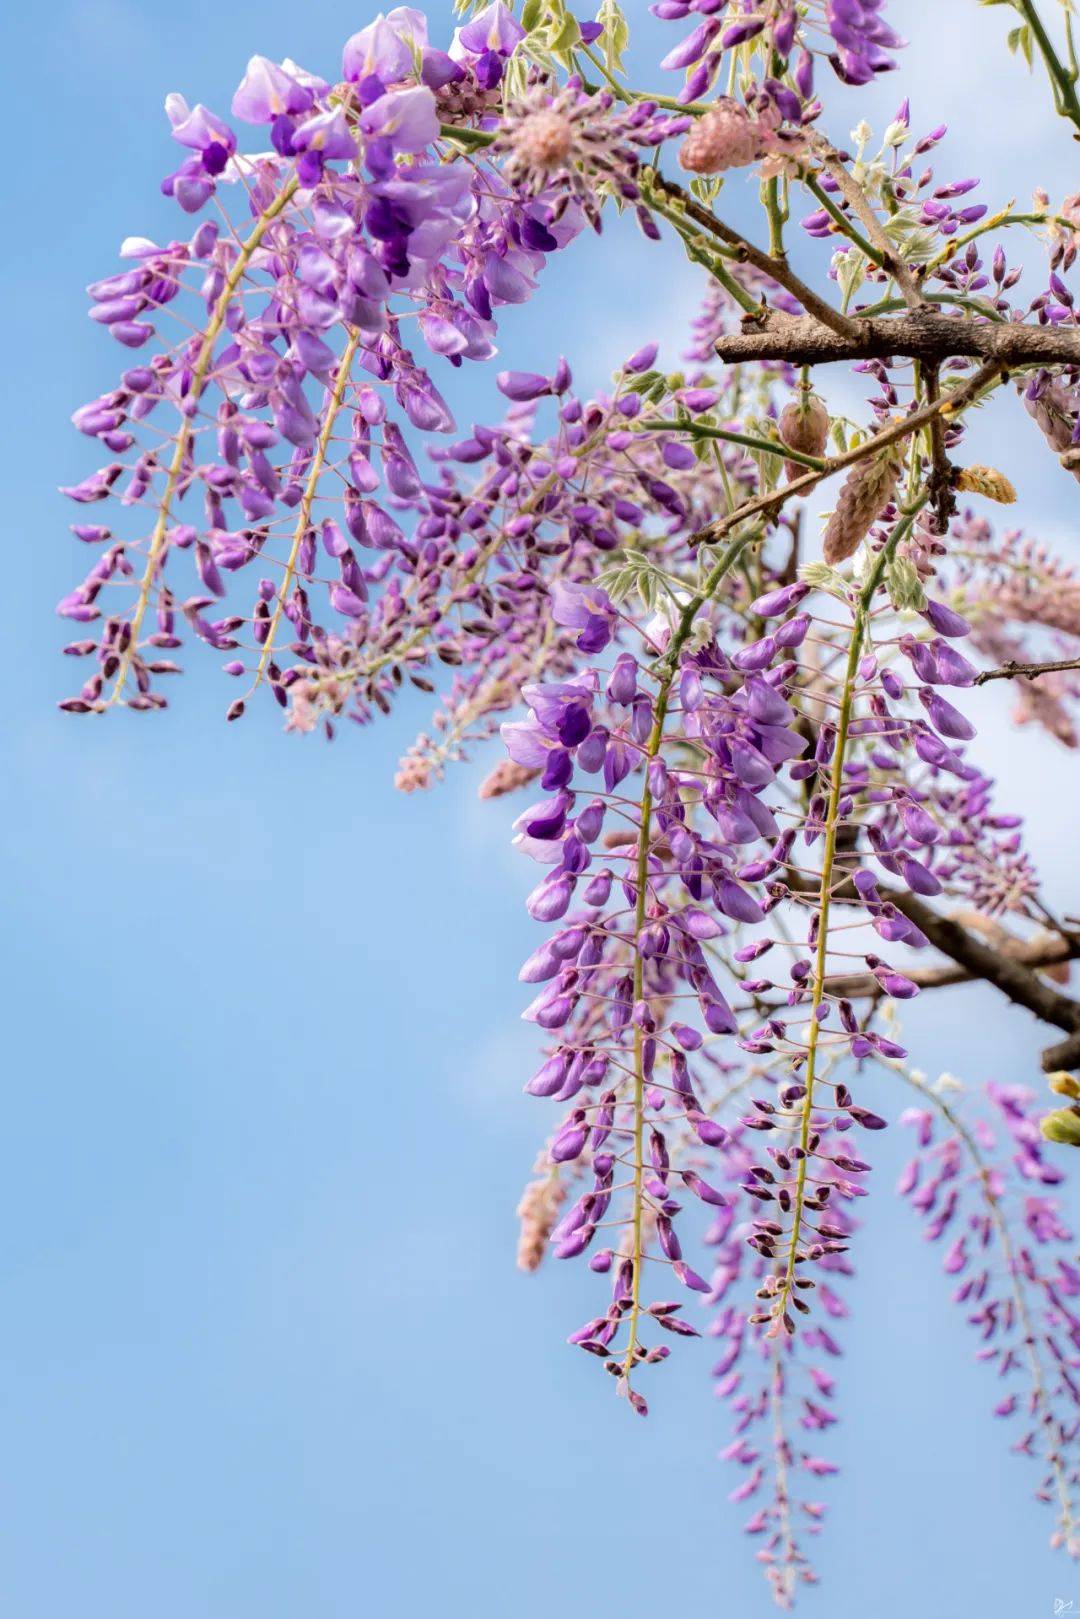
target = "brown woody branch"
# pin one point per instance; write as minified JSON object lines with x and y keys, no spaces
{"x":1009,"y":972}
{"x":860,"y":206}
{"x":1027,"y":671}
{"x":1013,"y":977}
{"x":743,"y":250}
{"x":769,"y":503}
{"x":942,"y":496}
{"x":923,"y":334}
{"x":1035,"y":953}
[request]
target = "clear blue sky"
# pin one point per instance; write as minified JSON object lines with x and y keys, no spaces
{"x":265,"y":1354}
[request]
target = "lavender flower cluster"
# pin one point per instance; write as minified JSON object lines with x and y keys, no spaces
{"x":751,"y":768}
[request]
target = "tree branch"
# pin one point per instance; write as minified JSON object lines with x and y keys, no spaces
{"x":902,"y":427}
{"x":1012,"y":976}
{"x":1034,"y":953}
{"x":942,"y":495}
{"x":922,"y":335}
{"x":778,"y":268}
{"x":861,"y":208}
{"x":1010,"y":973}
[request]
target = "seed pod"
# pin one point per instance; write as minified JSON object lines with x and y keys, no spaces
{"x":1052,"y":406}
{"x":538,"y":1211}
{"x":988,"y":481}
{"x":505,"y":778}
{"x":803,"y":426}
{"x":867,"y":490}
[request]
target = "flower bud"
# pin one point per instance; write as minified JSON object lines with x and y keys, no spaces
{"x":1062,"y":1127}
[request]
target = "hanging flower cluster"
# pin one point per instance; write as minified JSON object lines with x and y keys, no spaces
{"x":755,"y":809}
{"x":1007,"y":1247}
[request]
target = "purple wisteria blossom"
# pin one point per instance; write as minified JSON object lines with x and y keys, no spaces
{"x":743,"y":744}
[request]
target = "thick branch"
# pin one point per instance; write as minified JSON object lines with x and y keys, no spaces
{"x":924,"y":335}
{"x":1016,"y":980}
{"x":1064,"y":1055}
{"x":1034,"y":953}
{"x":1008,"y":972}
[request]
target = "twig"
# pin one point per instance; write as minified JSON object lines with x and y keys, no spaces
{"x":1026,"y":671}
{"x":903,"y":427}
{"x":779,"y":269}
{"x":1062,"y":78}
{"x":860,"y":205}
{"x":1012,"y":975}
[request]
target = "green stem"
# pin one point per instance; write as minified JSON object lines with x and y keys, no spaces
{"x":749,"y":441}
{"x":334,"y":402}
{"x":1062,"y":78}
{"x":828,"y":862}
{"x":667,"y":670}
{"x":200,"y":374}
{"x":891,"y":306}
{"x":1003,"y":217}
{"x":465,"y":136}
{"x":777,"y":216}
{"x":629,"y":96}
{"x":699,"y":253}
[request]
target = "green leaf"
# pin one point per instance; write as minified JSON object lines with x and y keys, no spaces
{"x":904,"y":586}
{"x":618,"y":581}
{"x":1019,"y":39}
{"x":563,"y":32}
{"x":850,"y":268}
{"x":706,"y":188}
{"x":616,"y":35}
{"x":819,"y":576}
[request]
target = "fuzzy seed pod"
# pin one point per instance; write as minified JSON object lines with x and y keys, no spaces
{"x":538,"y":1211}
{"x":506,"y":777}
{"x":867,"y":490}
{"x":726,"y":137}
{"x":804,"y":426}
{"x":988,"y":481}
{"x":1049,"y":402}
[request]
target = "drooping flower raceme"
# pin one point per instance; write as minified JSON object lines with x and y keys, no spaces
{"x":744,"y":768}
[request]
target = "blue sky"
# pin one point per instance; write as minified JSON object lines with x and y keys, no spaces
{"x":265,"y":1353}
